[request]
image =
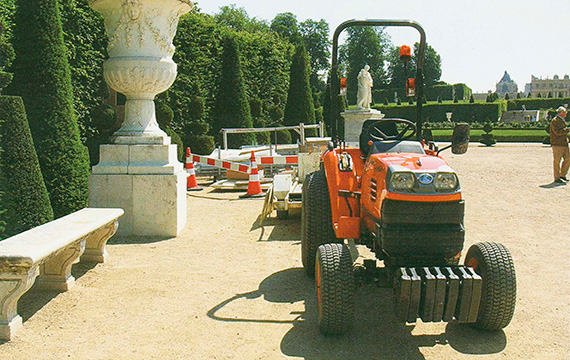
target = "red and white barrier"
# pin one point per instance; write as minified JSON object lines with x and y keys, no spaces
{"x":246,"y":169}
{"x":279,"y":160}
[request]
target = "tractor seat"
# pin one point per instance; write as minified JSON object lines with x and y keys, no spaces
{"x":396,"y":146}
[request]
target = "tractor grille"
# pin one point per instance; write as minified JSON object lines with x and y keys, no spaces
{"x":411,"y":212}
{"x":425,"y":243}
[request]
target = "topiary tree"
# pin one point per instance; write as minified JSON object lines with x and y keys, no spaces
{"x":164,"y":116}
{"x":25,"y":203}
{"x":104,"y":121}
{"x":471,"y":99}
{"x":42,"y":77}
{"x":196,"y":130}
{"x":231,"y":107}
{"x":299,"y":107}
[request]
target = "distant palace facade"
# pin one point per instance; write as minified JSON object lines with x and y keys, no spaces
{"x":556,"y":87}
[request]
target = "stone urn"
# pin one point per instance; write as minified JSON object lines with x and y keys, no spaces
{"x":140,"y":62}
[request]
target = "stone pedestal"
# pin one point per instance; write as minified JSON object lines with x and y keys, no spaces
{"x":146,"y":181}
{"x":353,"y":120}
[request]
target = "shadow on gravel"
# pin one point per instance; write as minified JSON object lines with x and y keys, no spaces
{"x":283,"y":229}
{"x":375,"y":335}
{"x":126,"y":240}
{"x":35,"y":299}
{"x":552,"y":185}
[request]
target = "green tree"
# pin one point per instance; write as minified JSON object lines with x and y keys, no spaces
{"x":86,"y":42}
{"x":24,"y":200}
{"x":398,"y":72}
{"x":286,"y":26}
{"x":299,"y":107}
{"x":42,"y":78}
{"x":432,"y":65}
{"x":364,"y":45}
{"x":231,"y":109}
{"x":315,"y":35}
{"x":25,"y":203}
{"x":237,"y":18}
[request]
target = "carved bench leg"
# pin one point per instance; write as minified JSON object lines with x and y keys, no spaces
{"x":55,"y":273}
{"x":95,"y":249}
{"x":12,"y":286}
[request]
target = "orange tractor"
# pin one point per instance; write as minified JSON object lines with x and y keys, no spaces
{"x":396,"y":195}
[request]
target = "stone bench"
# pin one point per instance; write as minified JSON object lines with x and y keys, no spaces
{"x":47,"y":252}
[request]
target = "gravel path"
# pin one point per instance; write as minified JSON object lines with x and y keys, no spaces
{"x":229,"y":289}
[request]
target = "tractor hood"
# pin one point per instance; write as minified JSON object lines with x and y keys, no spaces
{"x":417,"y":174}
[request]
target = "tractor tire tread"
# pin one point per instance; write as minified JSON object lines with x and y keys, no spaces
{"x":337,"y":289}
{"x":498,"y":298}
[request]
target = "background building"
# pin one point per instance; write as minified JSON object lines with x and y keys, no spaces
{"x":556,"y":87}
{"x":507,"y":86}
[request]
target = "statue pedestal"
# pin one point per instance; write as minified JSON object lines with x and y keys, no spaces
{"x":353,"y":120}
{"x":146,"y":181}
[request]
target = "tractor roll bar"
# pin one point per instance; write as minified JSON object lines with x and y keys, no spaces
{"x":335,"y":85}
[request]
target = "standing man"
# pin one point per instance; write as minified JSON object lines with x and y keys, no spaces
{"x":559,"y":143}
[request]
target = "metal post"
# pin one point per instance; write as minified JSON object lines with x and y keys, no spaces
{"x":321,"y":129}
{"x":302,"y":133}
{"x":225,"y":135}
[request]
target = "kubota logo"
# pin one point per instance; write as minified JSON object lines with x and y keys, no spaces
{"x":425,"y":179}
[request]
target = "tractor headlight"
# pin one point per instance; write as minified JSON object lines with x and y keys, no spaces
{"x":402,"y":181}
{"x":445,"y":182}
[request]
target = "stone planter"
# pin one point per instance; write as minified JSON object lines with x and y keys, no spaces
{"x":139,"y":172}
{"x":140,"y":62}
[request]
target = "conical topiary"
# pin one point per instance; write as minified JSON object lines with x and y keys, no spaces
{"x":25,"y":203}
{"x":299,"y":107}
{"x":231,"y":107}
{"x":42,"y":78}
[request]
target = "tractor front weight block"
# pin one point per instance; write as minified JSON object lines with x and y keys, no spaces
{"x":436,"y":294}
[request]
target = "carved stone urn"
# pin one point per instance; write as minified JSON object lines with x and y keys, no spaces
{"x":139,"y":172}
{"x":140,"y":62}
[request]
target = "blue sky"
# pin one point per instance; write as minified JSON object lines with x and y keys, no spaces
{"x":477,"y":40}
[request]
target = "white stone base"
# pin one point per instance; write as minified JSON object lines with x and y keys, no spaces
{"x":353,"y":120}
{"x":8,"y":329}
{"x":147,"y":182}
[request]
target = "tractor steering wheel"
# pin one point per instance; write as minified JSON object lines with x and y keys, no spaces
{"x":375,"y":131}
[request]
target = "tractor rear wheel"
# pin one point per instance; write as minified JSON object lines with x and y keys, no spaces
{"x":494,"y":263}
{"x":316,"y":219}
{"x":335,"y":288}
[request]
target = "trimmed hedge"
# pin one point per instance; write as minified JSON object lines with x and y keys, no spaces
{"x":25,"y":202}
{"x":435,"y":112}
{"x":503,"y":135}
{"x":42,"y":78}
{"x":537,"y":103}
{"x":433,"y":93}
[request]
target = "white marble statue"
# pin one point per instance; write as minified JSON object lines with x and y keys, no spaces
{"x":364,"y":95}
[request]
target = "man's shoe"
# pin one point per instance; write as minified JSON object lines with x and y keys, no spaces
{"x":564,"y":178}
{"x":559,"y":181}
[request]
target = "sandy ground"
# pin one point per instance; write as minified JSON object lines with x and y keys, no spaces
{"x":227,"y":289}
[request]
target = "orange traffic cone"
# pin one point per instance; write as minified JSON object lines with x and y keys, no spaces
{"x":191,"y":184}
{"x":254,"y":185}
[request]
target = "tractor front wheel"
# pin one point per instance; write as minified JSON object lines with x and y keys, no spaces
{"x":494,"y":263}
{"x":316,"y":219}
{"x":335,"y":288}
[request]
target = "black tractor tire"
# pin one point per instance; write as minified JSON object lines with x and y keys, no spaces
{"x":335,"y":289}
{"x":282,"y":214}
{"x":316,"y":219}
{"x":494,"y":263}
